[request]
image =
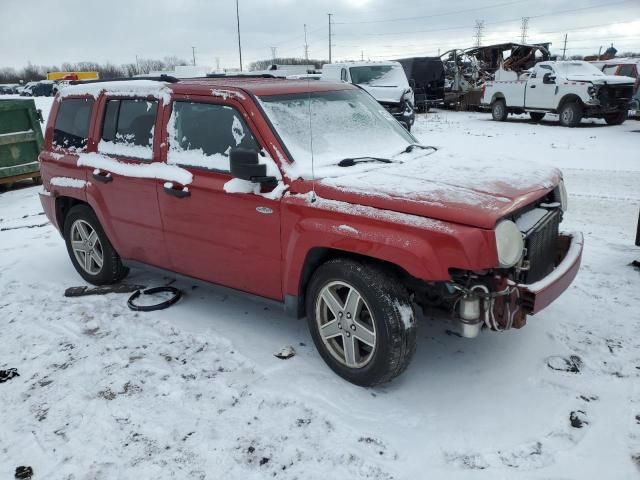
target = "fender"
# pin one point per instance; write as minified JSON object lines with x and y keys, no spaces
{"x":568,"y":97}
{"x":411,"y":248}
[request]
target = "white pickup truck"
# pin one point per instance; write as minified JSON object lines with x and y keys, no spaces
{"x":572,"y":89}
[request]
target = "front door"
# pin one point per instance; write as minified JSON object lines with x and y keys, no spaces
{"x":123,"y":178}
{"x":539,"y":94}
{"x":232,"y":239}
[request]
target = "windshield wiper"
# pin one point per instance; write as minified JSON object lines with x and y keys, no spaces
{"x":350,"y":162}
{"x":423,"y":147}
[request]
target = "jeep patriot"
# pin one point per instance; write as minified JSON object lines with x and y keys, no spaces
{"x":305,"y":193}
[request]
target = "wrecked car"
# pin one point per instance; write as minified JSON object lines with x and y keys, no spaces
{"x":309,"y":195}
{"x":467,"y":70}
{"x":572,"y":89}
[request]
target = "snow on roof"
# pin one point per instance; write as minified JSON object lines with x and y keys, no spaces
{"x":361,"y":63}
{"x":127,"y":88}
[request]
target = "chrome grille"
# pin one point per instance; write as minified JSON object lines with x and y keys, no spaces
{"x":541,"y":244}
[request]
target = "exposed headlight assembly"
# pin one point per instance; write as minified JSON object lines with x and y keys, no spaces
{"x":509,"y":243}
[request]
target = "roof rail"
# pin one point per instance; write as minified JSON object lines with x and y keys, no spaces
{"x":159,"y":78}
{"x":235,"y":75}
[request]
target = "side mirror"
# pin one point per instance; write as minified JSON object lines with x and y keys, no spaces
{"x":246,"y":166}
{"x":548,"y":78}
{"x":412,"y":83}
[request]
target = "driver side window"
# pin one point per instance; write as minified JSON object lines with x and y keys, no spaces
{"x":203,"y":135}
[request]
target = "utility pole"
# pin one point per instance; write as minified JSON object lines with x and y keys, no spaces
{"x":362,"y":55}
{"x":306,"y":45}
{"x":137,"y":66}
{"x":479,"y":30}
{"x":217,"y":64}
{"x":330,"y":14}
{"x":564,"y":49}
{"x":239,"y":42}
{"x":274,"y":51}
{"x":193,"y":52}
{"x":524,"y":27}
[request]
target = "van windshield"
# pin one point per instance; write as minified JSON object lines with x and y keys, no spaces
{"x":339,"y":124}
{"x":378,"y":75}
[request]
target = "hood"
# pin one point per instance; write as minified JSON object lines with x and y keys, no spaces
{"x":469,"y":192}
{"x":389,"y":94}
{"x":601,"y":80}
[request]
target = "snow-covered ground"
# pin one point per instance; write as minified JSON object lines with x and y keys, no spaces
{"x":194,"y":391}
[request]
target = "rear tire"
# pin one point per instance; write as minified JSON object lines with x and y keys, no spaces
{"x":360,"y":303}
{"x":91,"y":253}
{"x":617,"y":118}
{"x":570,"y":114}
{"x":499,"y":110}
{"x":536,"y":116}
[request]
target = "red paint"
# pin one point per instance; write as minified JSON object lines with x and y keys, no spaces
{"x":222,"y":238}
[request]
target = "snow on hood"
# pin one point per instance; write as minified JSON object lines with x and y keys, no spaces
{"x":386,"y":94}
{"x":608,"y":79}
{"x":467,"y":191}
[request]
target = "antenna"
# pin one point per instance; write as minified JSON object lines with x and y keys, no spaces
{"x":313,"y":171}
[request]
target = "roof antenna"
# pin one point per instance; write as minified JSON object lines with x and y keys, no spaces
{"x":313,"y":171}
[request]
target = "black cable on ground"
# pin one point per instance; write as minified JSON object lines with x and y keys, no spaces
{"x":177,"y":294}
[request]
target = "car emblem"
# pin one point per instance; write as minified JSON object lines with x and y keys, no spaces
{"x":265,"y":210}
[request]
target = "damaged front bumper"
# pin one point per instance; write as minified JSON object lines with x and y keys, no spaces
{"x":501,"y":303}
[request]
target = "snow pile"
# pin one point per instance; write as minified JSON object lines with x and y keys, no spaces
{"x":132,"y":88}
{"x":157,"y":170}
{"x":67,"y":182}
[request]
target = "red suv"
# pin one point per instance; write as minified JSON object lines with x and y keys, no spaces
{"x":307,"y":193}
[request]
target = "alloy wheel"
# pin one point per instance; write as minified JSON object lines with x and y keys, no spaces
{"x":86,"y":247}
{"x":346,"y":324}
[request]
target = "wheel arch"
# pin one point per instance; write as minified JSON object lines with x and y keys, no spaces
{"x":317,"y":256}
{"x":569,"y":98}
{"x":64,"y":205}
{"x":498,"y":96}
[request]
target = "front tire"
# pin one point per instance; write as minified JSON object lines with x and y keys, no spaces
{"x":361,"y":320}
{"x":617,"y":118}
{"x":91,"y":253}
{"x":499,"y":110}
{"x":570,"y":114}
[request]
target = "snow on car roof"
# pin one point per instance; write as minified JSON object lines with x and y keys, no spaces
{"x":219,"y":86}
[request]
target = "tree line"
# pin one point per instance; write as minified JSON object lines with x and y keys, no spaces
{"x":108,"y":70}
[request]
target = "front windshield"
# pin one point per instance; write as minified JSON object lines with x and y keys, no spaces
{"x":578,"y":69}
{"x":378,"y":75}
{"x":343,"y":124}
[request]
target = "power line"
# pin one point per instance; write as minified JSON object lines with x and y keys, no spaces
{"x":444,"y":14}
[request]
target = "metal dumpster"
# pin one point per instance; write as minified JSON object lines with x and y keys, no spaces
{"x":20,"y":140}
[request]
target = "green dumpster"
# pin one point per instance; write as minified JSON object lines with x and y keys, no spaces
{"x":20,"y":140}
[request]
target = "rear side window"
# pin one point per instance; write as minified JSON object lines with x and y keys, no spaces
{"x":627,"y":71}
{"x":128,"y":127}
{"x":71,"y":130}
{"x":203,"y":134}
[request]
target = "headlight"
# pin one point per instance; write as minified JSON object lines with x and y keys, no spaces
{"x":564,"y":200}
{"x":509,"y":243}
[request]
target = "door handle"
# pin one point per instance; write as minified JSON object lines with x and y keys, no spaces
{"x":176,"y":191}
{"x":104,"y":177}
{"x":532,"y":86}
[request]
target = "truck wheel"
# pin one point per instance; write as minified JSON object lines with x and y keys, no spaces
{"x":91,"y":253}
{"x":536,"y":116}
{"x":361,"y":320}
{"x":617,"y":118}
{"x":570,"y":114}
{"x":499,"y":110}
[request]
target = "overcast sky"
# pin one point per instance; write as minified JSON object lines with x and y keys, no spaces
{"x":50,"y":32}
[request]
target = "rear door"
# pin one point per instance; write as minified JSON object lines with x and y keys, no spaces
{"x":123,"y":178}
{"x":232,"y":239}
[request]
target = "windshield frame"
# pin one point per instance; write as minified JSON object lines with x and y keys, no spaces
{"x":288,"y":159}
